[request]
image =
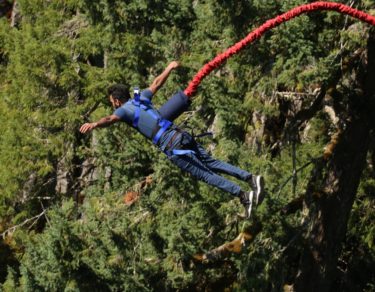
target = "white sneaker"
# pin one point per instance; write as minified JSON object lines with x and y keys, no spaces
{"x":257,"y":184}
{"x":246,"y":199}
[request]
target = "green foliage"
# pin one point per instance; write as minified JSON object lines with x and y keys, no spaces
{"x":53,"y":75}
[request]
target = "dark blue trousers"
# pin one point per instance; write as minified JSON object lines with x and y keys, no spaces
{"x":200,"y":164}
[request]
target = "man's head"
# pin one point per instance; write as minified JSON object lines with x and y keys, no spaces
{"x":118,"y":94}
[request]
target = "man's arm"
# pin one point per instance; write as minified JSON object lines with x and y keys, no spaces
{"x":159,"y":81}
{"x":103,"y":122}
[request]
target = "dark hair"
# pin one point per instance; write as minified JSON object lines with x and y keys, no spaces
{"x":119,"y":91}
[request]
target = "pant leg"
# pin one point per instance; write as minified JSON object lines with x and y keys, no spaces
{"x":192,"y":164}
{"x":219,"y":166}
{"x":213,"y":164}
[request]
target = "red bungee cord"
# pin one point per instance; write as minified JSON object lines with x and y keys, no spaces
{"x":257,"y":33}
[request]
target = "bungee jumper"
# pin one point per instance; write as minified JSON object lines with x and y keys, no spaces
{"x":180,"y":146}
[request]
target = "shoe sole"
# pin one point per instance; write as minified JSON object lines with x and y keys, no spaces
{"x":248,"y":209}
{"x":260,"y":187}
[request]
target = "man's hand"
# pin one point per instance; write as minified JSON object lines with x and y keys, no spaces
{"x":88,"y":127}
{"x":159,"y":81}
{"x":173,"y":65}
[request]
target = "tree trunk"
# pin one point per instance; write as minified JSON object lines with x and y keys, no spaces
{"x":332,"y":189}
{"x":15,"y":16}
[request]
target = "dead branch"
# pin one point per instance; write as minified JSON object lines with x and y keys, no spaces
{"x":13,"y":228}
{"x":130,"y":197}
{"x":235,"y":246}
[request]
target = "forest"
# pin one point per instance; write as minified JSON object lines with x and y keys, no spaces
{"x":108,"y":211}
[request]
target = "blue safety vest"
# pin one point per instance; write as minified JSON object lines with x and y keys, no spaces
{"x":141,"y":115}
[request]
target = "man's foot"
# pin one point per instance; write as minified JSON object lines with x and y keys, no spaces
{"x":246,"y":199}
{"x":257,"y":185}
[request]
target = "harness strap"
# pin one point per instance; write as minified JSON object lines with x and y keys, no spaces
{"x":137,"y":95}
{"x":180,"y":152}
{"x":137,"y":102}
{"x":137,"y":114}
{"x":146,"y":105}
{"x":176,"y":151}
{"x":164,"y":125}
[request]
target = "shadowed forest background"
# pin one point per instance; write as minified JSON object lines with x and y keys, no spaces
{"x":109,"y":212}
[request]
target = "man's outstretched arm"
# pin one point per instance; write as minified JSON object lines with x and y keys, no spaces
{"x":103,"y":122}
{"x":159,"y":81}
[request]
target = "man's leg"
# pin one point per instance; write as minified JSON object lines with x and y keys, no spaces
{"x":196,"y":163}
{"x":256,"y":181}
{"x":209,"y":163}
{"x":219,"y":166}
{"x":191,"y":163}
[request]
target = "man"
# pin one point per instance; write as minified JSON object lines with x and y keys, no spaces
{"x":180,"y":146}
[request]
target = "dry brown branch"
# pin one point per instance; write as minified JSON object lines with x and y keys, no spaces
{"x":130,"y":197}
{"x":234,"y":246}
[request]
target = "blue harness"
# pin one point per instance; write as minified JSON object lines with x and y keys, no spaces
{"x":164,"y":124}
{"x":147,"y":106}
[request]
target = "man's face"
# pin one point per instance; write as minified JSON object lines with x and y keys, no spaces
{"x":115,"y":102}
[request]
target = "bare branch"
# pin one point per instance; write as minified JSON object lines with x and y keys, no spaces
{"x":86,"y":115}
{"x":13,"y":228}
{"x":294,"y":173}
{"x":235,"y":246}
